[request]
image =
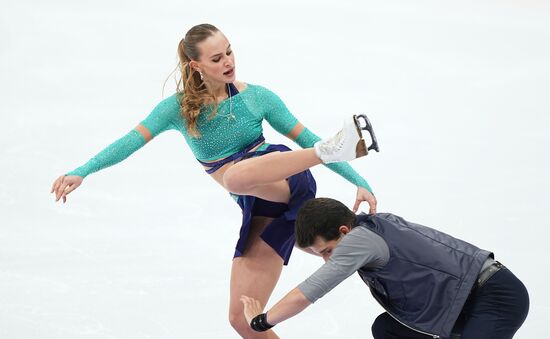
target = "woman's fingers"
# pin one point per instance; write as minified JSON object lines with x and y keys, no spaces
{"x":64,"y":185}
{"x":59,"y":188}
{"x":56,"y":183}
{"x":62,"y":188}
{"x":371,"y":200}
{"x":68,"y":189}
{"x":356,"y":206}
{"x":372,"y":204}
{"x":53,"y":185}
{"x":364,"y":195}
{"x":71,"y":187}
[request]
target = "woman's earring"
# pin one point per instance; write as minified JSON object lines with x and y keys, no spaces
{"x":200,"y":73}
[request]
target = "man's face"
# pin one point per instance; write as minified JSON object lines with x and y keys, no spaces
{"x":324,"y":248}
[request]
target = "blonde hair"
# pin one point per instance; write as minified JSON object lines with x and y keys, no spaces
{"x":190,"y":87}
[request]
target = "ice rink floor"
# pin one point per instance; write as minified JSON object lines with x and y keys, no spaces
{"x":457,"y":91}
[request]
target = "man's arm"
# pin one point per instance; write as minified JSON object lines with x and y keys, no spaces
{"x":321,"y":282}
{"x":361,"y":247}
{"x":293,"y":303}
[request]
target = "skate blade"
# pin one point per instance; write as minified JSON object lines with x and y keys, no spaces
{"x":358,"y":126}
{"x":368,"y":128}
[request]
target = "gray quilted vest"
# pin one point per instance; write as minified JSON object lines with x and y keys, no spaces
{"x":428,"y":277}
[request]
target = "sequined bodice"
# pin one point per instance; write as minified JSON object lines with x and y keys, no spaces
{"x":230,"y":130}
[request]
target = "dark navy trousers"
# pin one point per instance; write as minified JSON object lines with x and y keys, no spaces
{"x":495,"y":310}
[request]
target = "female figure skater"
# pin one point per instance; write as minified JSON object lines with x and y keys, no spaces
{"x":221,"y":119}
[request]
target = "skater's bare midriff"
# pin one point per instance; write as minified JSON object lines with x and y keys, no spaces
{"x":218,"y":175}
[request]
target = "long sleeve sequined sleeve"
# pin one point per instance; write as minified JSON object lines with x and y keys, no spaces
{"x":158,"y":121}
{"x":282,"y":120}
{"x":112,"y":154}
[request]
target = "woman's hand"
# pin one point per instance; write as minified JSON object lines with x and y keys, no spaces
{"x":251,"y":309}
{"x":64,"y":185}
{"x":364,"y":195}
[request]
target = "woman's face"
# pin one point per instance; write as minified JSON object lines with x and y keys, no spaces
{"x":217,"y":62}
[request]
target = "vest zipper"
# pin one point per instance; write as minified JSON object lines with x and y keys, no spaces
{"x":435,"y":336}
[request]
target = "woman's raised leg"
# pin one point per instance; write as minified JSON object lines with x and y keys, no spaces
{"x":243,"y":176}
{"x":346,"y":145}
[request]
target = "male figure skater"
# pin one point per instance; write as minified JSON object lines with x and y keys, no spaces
{"x":430,"y":284}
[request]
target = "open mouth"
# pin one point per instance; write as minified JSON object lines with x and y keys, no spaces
{"x":230,"y":72}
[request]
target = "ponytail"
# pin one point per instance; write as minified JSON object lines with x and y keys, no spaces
{"x":190,"y":87}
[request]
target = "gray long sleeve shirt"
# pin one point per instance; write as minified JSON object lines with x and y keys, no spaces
{"x":360,"y":247}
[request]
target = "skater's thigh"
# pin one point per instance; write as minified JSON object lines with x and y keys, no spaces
{"x":257,"y":271}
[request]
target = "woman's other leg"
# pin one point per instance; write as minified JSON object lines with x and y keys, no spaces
{"x":254,"y":274}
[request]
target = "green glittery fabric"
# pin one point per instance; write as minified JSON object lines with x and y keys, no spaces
{"x":237,"y":124}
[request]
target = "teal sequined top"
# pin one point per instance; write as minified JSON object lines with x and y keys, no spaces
{"x":237,"y":124}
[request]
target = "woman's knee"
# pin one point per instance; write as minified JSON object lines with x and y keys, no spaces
{"x":237,"y":321}
{"x":239,"y":324}
{"x":236,"y":181}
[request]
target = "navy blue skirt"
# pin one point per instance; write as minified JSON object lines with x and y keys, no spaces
{"x":279,"y":234}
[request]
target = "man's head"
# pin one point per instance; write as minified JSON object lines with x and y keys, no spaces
{"x":320,"y":224}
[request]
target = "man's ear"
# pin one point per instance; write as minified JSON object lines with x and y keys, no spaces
{"x":344,"y":229}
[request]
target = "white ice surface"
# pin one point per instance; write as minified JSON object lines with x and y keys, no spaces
{"x":458,"y":93}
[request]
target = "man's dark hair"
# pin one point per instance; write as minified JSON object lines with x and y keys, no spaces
{"x":321,"y":217}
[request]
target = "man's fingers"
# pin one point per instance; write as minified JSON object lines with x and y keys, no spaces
{"x":246,"y":301}
{"x":251,"y":305}
{"x":249,"y":309}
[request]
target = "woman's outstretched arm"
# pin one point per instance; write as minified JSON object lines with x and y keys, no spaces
{"x":159,"y":120}
{"x":110,"y":155}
